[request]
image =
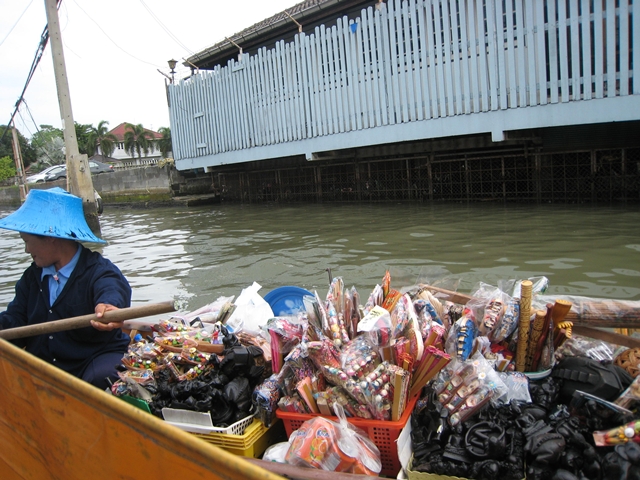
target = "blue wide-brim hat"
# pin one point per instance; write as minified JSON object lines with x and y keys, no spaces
{"x":52,"y":213}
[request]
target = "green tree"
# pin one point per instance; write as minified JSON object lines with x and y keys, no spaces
{"x":164,"y":144}
{"x":137,"y":140}
{"x":83,"y":131}
{"x":7,"y":168}
{"x":101,"y":141}
{"x":48,"y":143}
{"x":26,"y":150}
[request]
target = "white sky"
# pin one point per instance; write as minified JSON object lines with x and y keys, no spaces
{"x":113,"y":50}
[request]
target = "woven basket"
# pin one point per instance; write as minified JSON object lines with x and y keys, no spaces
{"x":630,"y":361}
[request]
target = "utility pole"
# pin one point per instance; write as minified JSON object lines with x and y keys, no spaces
{"x":79,"y":180}
{"x":17,"y":156}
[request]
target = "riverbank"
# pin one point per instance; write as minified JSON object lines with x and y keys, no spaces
{"x":140,"y":187}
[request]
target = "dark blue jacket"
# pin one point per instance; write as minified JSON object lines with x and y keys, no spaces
{"x":94,"y":280}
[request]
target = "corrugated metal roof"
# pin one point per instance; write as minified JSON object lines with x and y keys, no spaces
{"x":309,"y":14}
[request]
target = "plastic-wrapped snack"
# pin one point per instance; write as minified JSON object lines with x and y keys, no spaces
{"x":338,"y":377}
{"x":448,"y":384}
{"x":348,"y":314}
{"x":359,"y":357}
{"x":539,"y":287}
{"x":316,"y":313}
{"x":378,"y":392}
{"x":299,"y":362}
{"x":351,"y":407}
{"x":265,"y":398}
{"x":435,"y":308}
{"x":292,"y":404}
{"x":463,"y":333}
{"x":423,"y":316}
{"x":355,"y":312}
{"x":337,"y":328}
{"x":578,"y":345}
{"x":629,"y":432}
{"x":378,"y":326}
{"x":340,"y":447}
{"x":472,"y":404}
{"x":285,"y":333}
{"x":631,"y":396}
{"x":375,"y":299}
{"x":509,"y":321}
{"x":629,"y":359}
{"x":386,"y":284}
{"x":335,"y":295}
{"x":493,"y":312}
{"x":142,"y":377}
{"x":518,"y":385}
{"x":406,"y":326}
{"x":452,"y":312}
{"x":324,"y":352}
{"x":391,"y":299}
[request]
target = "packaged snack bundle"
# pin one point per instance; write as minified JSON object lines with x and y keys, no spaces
{"x":407,"y":329}
{"x":333,"y":446}
{"x":335,"y":313}
{"x":285,"y":333}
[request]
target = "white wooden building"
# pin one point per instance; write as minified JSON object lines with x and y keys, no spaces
{"x":401,"y":73}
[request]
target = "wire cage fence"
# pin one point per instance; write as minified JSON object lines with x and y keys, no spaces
{"x":589,"y":176}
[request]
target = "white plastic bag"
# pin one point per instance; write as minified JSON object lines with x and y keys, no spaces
{"x":277,"y":452}
{"x":252,"y":312}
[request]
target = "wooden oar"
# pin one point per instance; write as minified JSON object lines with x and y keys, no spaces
{"x":72,"y":323}
{"x":610,"y":337}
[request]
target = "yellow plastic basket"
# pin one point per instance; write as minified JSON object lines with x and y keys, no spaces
{"x":252,"y":443}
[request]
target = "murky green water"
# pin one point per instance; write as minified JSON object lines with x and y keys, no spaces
{"x":195,"y":255}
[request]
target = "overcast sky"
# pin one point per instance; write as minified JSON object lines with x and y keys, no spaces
{"x":113,"y":50}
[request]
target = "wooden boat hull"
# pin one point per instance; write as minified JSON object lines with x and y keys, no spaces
{"x":53,"y":425}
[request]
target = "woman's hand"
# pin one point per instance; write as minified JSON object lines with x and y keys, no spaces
{"x":101,"y":308}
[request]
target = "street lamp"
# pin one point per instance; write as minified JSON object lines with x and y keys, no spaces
{"x":172,"y":65}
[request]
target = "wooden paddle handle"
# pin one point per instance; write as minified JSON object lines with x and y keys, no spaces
{"x":73,"y":323}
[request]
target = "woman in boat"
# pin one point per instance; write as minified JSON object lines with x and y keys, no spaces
{"x":66,"y":280}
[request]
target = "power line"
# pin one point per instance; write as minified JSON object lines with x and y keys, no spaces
{"x":15,"y":24}
{"x":44,"y":38}
{"x":111,"y":40}
{"x":165,"y":28}
{"x":41,"y":148}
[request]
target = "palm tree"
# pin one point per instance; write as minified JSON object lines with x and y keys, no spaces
{"x":165,"y":142}
{"x":100,"y":140}
{"x":137,"y":140}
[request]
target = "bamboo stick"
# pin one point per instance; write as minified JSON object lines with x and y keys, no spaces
{"x":73,"y":323}
{"x":536,"y":333}
{"x":523,"y":325}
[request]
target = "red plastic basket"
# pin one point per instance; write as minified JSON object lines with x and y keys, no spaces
{"x":383,"y":433}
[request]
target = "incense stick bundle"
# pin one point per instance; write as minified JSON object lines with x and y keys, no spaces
{"x":401,"y":380}
{"x":435,"y":360}
{"x":304,"y":389}
{"x":536,"y":332}
{"x":523,"y":325}
{"x":434,"y":338}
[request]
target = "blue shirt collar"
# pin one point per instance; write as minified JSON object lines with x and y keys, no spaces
{"x":64,"y":271}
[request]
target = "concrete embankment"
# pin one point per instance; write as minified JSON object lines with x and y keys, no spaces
{"x":141,"y":187}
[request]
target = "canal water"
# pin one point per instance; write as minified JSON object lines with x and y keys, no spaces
{"x":196,"y":255}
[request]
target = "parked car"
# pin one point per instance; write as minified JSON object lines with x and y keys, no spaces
{"x":95,"y":167}
{"x":41,"y":176}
